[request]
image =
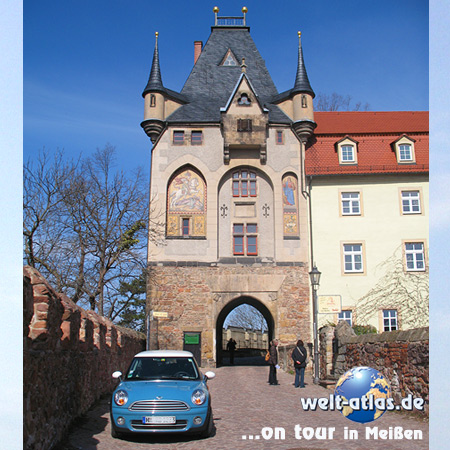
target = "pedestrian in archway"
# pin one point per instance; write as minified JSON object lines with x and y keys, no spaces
{"x":273,"y":363}
{"x":231,"y":347}
{"x":299,"y":356}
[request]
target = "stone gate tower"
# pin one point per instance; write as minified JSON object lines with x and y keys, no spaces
{"x":227,"y":189}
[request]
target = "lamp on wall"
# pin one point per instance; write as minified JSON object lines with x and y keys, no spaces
{"x":314,"y":277}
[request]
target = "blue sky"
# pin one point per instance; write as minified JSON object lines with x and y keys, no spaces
{"x":86,"y":64}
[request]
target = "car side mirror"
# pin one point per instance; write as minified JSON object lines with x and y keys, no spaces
{"x":209,"y":375}
{"x":117,"y":374}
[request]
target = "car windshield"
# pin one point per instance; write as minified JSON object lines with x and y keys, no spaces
{"x":168,"y":368}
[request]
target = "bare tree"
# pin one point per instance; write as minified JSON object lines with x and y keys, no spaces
{"x":246,"y":316}
{"x":408,"y":292}
{"x":337,"y":102}
{"x":94,"y":237}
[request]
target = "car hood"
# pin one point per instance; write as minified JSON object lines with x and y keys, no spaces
{"x":166,"y":389}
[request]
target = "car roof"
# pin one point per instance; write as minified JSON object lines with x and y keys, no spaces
{"x":164,"y":353}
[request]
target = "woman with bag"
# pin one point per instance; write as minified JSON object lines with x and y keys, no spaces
{"x":299,"y":355}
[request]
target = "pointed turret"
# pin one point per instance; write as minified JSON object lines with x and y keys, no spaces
{"x":302,"y":84}
{"x":303,"y":95}
{"x":154,"y":80}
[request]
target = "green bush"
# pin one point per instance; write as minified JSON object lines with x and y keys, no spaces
{"x":364,"y":329}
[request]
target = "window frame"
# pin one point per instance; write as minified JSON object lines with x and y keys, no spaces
{"x":244,"y":235}
{"x":410,"y":200}
{"x":389,"y":318}
{"x":351,"y":201}
{"x":353,"y":253}
{"x":349,"y":320}
{"x":344,"y":143}
{"x":250,"y":183}
{"x":402,"y":141}
{"x":175,"y":139}
{"x":414,"y":252}
{"x":183,"y":226}
{"x":279,"y":134}
{"x":196,"y":133}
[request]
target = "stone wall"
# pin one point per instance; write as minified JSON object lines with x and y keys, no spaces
{"x":401,"y":356}
{"x":69,"y":356}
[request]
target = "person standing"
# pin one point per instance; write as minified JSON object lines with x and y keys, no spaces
{"x":231,"y":347}
{"x":299,"y":356}
{"x":273,"y":363}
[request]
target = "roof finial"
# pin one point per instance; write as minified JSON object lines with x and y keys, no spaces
{"x":155,"y":81}
{"x":215,"y":10}
{"x":301,"y":80}
{"x":244,"y":11}
{"x":243,"y":66}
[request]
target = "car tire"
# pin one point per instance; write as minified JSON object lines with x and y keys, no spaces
{"x":209,"y":427}
{"x":114,"y":433}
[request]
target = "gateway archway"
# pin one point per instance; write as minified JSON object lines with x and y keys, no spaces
{"x":230,"y":307}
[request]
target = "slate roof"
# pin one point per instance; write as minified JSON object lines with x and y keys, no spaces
{"x":210,"y":85}
{"x":375,"y":133}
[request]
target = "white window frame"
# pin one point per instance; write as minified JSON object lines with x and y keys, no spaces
{"x":391,"y":316}
{"x":415,"y":256}
{"x":347,"y":315}
{"x":408,"y":199}
{"x":354,"y":202}
{"x":399,"y":149}
{"x":343,"y":148}
{"x":354,"y":257}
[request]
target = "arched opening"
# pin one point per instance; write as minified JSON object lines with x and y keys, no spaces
{"x":221,"y":354}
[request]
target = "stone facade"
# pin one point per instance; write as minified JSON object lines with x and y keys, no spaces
{"x":197,"y":298}
{"x":401,"y":356}
{"x":69,"y":356}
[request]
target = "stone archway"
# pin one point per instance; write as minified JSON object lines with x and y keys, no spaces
{"x":228,"y":308}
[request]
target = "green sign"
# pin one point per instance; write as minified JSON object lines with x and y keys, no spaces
{"x":190,"y":338}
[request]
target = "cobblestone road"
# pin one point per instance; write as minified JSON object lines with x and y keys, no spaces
{"x":243,"y":404}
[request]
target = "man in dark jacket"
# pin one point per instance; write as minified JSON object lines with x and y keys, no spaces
{"x":273,"y":362}
{"x":299,"y":356}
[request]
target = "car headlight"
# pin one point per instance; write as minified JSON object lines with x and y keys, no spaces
{"x":198,"y":397}
{"x":120,"y":398}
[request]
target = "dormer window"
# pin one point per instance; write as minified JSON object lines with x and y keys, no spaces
{"x":229,"y":59}
{"x":244,"y":100}
{"x":347,"y":150}
{"x":404,"y":150}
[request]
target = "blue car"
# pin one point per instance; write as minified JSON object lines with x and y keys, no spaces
{"x":162,"y":392}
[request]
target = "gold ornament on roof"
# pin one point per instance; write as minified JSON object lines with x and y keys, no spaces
{"x":215,"y":9}
{"x":244,"y":9}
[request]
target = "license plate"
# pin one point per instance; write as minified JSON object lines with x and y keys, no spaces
{"x":159,"y":419}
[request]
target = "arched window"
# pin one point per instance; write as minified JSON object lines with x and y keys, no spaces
{"x":186,"y":205}
{"x":244,"y":183}
{"x":290,"y":206}
{"x":152,"y":100}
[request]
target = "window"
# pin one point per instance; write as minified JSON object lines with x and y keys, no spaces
{"x":345,"y":315}
{"x":244,"y":184}
{"x":390,"y":320}
{"x":279,"y":138}
{"x":178,"y":137}
{"x":350,"y":203}
{"x":304,"y":101}
{"x":415,"y":257}
{"x":353,"y":258}
{"x":196,"y":137}
{"x":404,"y":149}
{"x":244,"y":100}
{"x":411,"y":202}
{"x":347,"y":149}
{"x":405,"y":152}
{"x":347,"y":153}
{"x":245,"y":239}
{"x":152,"y":100}
{"x":185,"y":227}
{"x":244,"y":125}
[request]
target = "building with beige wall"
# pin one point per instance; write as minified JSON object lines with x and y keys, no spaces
{"x":370,"y":216}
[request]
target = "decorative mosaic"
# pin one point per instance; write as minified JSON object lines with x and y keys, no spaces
{"x":186,"y":198}
{"x":290,"y":205}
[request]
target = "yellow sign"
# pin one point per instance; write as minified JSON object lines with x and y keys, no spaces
{"x":160,"y":314}
{"x":329,"y":304}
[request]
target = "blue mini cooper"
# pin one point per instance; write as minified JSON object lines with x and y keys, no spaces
{"x":163,"y":391}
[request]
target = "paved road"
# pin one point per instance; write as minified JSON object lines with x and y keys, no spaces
{"x":244,"y":404}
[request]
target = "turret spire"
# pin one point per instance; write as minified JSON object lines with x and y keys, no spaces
{"x":155,"y":81}
{"x":301,"y":79}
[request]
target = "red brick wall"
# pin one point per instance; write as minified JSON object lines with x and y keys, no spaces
{"x":69,"y":356}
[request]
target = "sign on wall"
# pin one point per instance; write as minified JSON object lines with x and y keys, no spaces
{"x":329,"y":304}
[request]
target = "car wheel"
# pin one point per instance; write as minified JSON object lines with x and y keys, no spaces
{"x":208,"y":430}
{"x":114,"y":433}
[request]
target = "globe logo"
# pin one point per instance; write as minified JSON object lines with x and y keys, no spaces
{"x":362,"y":391}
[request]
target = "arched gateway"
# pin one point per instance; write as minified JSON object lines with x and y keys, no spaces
{"x":230,"y":307}
{"x":229,"y":213}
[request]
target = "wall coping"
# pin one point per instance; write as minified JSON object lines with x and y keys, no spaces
{"x":413,"y":335}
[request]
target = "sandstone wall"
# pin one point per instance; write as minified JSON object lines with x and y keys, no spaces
{"x":401,"y":356}
{"x":69,"y":356}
